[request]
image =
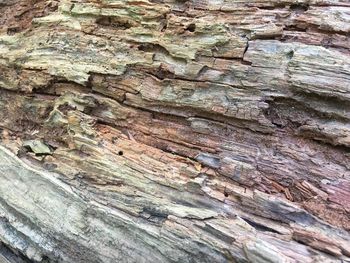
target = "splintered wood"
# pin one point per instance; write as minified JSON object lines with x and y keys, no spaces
{"x":175,"y":131}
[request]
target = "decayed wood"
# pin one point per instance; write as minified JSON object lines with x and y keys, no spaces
{"x":175,"y":131}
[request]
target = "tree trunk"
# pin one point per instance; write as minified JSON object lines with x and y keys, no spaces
{"x":174,"y":131}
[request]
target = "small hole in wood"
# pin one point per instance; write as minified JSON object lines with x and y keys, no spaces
{"x":13,"y":30}
{"x":225,"y":194}
{"x":191,"y":27}
{"x":120,"y":153}
{"x":290,"y":54}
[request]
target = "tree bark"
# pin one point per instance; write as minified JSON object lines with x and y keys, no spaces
{"x":174,"y":131}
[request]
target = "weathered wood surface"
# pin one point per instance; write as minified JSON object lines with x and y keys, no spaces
{"x":175,"y":131}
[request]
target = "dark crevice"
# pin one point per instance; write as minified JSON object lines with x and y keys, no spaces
{"x":260,"y":227}
{"x":245,"y":49}
{"x":266,"y":37}
{"x":294,"y":28}
{"x":24,"y":93}
{"x":114,"y":22}
{"x":164,"y":27}
{"x":166,"y":75}
{"x":340,"y":148}
{"x":305,"y":27}
{"x":299,"y":7}
{"x":276,"y":6}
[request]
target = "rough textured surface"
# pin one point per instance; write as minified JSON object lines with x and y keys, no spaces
{"x":175,"y":131}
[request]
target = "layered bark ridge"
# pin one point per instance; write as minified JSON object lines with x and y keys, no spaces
{"x":175,"y":131}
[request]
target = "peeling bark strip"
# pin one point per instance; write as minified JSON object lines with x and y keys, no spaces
{"x":174,"y":131}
